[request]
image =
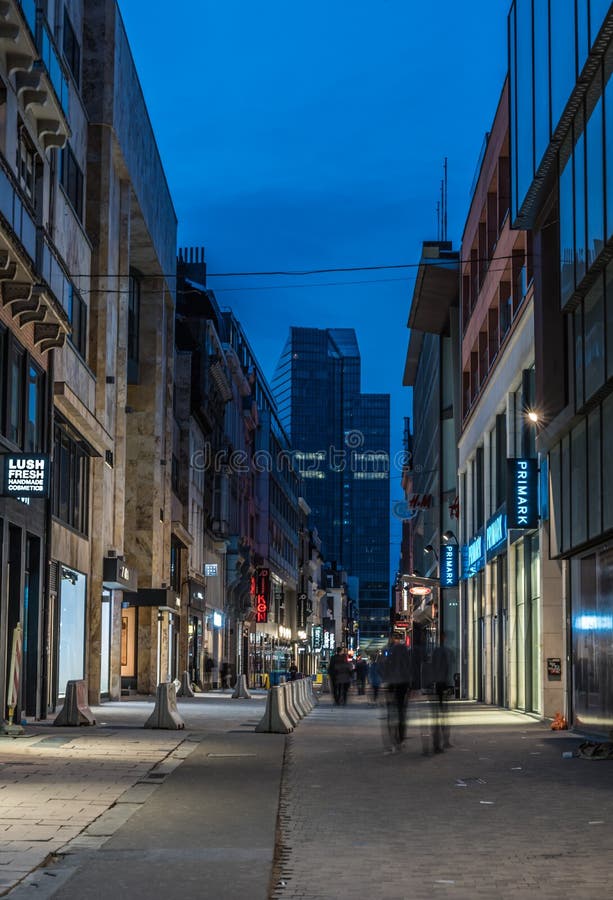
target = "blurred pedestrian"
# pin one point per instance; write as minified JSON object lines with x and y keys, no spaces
{"x":340,"y":673}
{"x":442,"y":675}
{"x":361,"y":671}
{"x":374,"y":677}
{"x":397,"y":673}
{"x":293,"y":672}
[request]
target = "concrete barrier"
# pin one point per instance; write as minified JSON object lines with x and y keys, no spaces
{"x":165,"y":713}
{"x":75,"y":710}
{"x":306,"y":699}
{"x":241,"y":691}
{"x":290,"y":706}
{"x":275,"y":719}
{"x":312,"y":693}
{"x":185,"y":688}
{"x":299,"y":699}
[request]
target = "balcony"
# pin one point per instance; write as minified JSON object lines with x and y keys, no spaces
{"x":31,"y":61}
{"x":22,"y":291}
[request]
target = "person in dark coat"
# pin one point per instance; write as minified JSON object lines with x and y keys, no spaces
{"x":442,"y":675}
{"x":397,"y":673}
{"x":340,"y":673}
{"x":361,"y":671}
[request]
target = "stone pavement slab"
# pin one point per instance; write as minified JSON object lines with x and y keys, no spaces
{"x":501,"y":814}
{"x":59,"y":786}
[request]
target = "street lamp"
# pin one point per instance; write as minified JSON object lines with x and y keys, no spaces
{"x":449,"y":536}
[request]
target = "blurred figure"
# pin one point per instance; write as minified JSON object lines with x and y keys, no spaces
{"x":442,"y":675}
{"x":334,"y":666}
{"x":374,"y":677}
{"x":361,"y":671}
{"x":293,"y":672}
{"x":398,"y":676}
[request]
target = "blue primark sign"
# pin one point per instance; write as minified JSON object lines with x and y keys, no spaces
{"x":522,"y":493}
{"x":495,"y":535}
{"x":449,"y":565}
{"x":473,"y":556}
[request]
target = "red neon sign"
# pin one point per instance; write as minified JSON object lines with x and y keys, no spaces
{"x":262,"y":594}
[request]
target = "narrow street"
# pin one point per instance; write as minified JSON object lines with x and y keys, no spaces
{"x":502,"y":813}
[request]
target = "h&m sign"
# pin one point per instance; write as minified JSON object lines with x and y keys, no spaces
{"x":522,"y":493}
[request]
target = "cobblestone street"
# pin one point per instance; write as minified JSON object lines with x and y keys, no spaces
{"x":500,"y":814}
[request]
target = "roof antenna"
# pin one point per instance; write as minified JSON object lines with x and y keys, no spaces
{"x":438,"y":220}
{"x":445,"y":200}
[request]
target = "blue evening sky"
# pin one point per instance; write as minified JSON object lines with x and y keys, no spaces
{"x":309,"y":134}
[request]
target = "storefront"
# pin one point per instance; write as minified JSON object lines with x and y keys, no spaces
{"x":150,"y":620}
{"x":592,"y":638}
{"x":23,"y":529}
{"x":270,"y":651}
{"x":496,"y":613}
{"x":117,"y":577}
{"x":473,"y":577}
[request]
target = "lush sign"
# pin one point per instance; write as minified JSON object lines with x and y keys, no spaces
{"x":522,"y":493}
{"x":25,"y":475}
{"x":495,"y":535}
{"x":449,"y":565}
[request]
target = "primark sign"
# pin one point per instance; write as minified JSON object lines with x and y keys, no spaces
{"x":24,"y":475}
{"x":496,"y":535}
{"x":449,"y":565}
{"x":522,"y":493}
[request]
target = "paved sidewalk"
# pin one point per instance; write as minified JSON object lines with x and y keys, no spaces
{"x":67,"y":790}
{"x":499,"y":815}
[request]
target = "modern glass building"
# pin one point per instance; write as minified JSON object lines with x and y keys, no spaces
{"x":561,"y":108}
{"x":340,"y":438}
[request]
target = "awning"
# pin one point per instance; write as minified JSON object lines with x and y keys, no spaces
{"x":162,"y":598}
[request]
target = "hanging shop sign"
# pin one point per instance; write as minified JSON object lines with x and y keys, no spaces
{"x":118,"y":576}
{"x":449,"y":557}
{"x":304,"y":610}
{"x":317,"y":637}
{"x":495,"y":535}
{"x":24,"y":475}
{"x":210,"y":569}
{"x":522,"y":493}
{"x":473,"y":556}
{"x":262,"y":601}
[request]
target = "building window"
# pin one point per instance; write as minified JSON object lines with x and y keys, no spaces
{"x":71,"y":663}
{"x":26,"y":164}
{"x":134,"y":290}
{"x":35,"y":399}
{"x":77,"y":313}
{"x":175,"y":565}
{"x":72,"y":49}
{"x":70,"y":497}
{"x":16,"y":384}
{"x":71,"y":178}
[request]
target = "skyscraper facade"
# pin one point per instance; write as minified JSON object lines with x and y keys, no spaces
{"x":340,"y":439}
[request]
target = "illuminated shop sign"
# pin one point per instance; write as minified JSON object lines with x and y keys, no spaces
{"x":449,"y":565}
{"x":522,"y":493}
{"x":473,"y":556}
{"x":262,"y":585}
{"x":25,"y":475}
{"x":317,"y":637}
{"x":496,"y":535}
{"x":210,"y":569}
{"x":217,"y":620}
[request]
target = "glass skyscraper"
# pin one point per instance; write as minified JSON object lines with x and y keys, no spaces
{"x":341,"y":440}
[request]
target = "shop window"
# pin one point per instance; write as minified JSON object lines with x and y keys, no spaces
{"x":70,"y":495}
{"x":72,"y":49}
{"x":71,"y":179}
{"x":72,"y":626}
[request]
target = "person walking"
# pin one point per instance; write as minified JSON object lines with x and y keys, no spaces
{"x":374,"y":677}
{"x":397,"y":674}
{"x":340,"y":674}
{"x":442,"y":675}
{"x":361,"y":671}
